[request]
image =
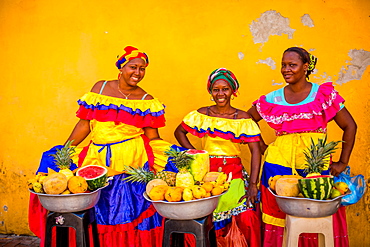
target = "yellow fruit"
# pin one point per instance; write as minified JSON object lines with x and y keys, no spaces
{"x":287,"y":187}
{"x":226,"y":186}
{"x":37,"y":187}
{"x":30,"y":183}
{"x":272,"y":182}
{"x":41,"y":179}
{"x":173,"y":194}
{"x":187,"y":194}
{"x":55,"y":183}
{"x":152,"y":183}
{"x":184,"y":179}
{"x":207,"y":186}
{"x":335,"y":193}
{"x":66,"y":192}
{"x":198,"y":192}
{"x":342,"y":187}
{"x":221,"y":178}
{"x":77,"y":184}
{"x":157,"y":192}
{"x":68,"y":173}
{"x":208,"y":194}
{"x":216,"y":191}
{"x":51,"y":171}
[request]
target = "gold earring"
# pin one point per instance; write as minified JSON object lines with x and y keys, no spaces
{"x":232,"y":97}
{"x":120,"y":72}
{"x":211,"y":98}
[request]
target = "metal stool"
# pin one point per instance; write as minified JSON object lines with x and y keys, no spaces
{"x":201,"y":228}
{"x":80,"y":221}
{"x":294,"y":226}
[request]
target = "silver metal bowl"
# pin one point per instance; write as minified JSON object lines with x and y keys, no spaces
{"x":69,"y":203}
{"x":186,"y":210}
{"x":308,"y":208}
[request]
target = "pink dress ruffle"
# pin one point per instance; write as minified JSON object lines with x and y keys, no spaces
{"x":310,"y":117}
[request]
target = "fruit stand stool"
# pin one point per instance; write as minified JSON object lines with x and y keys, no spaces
{"x":294,"y":226}
{"x":80,"y":221}
{"x":201,"y":228}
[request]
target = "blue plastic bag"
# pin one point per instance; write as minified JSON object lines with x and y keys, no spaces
{"x":356,"y":184}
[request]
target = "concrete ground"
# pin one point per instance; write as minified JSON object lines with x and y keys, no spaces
{"x":18,"y":241}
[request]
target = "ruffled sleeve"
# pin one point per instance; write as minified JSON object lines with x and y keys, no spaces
{"x":236,"y":130}
{"x":139,"y":113}
{"x":307,"y":117}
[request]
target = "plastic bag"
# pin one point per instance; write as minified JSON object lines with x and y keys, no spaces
{"x":234,"y":238}
{"x":356,"y":184}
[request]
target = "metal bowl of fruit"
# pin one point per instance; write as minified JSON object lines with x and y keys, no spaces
{"x":186,"y":210}
{"x":306,"y":207}
{"x":70,"y":202}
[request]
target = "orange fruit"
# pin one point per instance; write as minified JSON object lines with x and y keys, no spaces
{"x":207,"y":186}
{"x":216,"y":191}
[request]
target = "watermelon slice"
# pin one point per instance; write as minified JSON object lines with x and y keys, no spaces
{"x":199,"y":166}
{"x":96,"y":176}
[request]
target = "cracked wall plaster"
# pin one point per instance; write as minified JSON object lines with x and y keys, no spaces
{"x":269,"y":62}
{"x":270,"y":23}
{"x":241,"y":55}
{"x":307,"y":21}
{"x":356,"y":68}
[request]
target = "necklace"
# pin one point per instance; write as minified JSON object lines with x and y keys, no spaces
{"x":126,"y":96}
{"x":219,"y":113}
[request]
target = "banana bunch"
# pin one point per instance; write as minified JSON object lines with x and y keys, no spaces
{"x":36,"y":182}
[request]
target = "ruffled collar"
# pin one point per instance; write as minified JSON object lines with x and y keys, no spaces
{"x":237,"y":130}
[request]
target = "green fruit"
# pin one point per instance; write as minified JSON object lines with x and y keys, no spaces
{"x":317,"y":187}
{"x":335,"y":193}
{"x":341,"y":186}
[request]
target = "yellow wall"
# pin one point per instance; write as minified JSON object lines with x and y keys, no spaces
{"x":53,"y":51}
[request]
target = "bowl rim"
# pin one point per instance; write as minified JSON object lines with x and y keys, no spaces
{"x":309,"y":199}
{"x":181,"y":202}
{"x":68,"y":195}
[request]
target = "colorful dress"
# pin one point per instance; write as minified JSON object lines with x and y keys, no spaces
{"x":295,"y":125}
{"x":222,"y":137}
{"x":124,"y":217}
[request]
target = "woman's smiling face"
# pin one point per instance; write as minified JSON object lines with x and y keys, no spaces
{"x":221,"y":92}
{"x":134,"y":71}
{"x":292,"y":67}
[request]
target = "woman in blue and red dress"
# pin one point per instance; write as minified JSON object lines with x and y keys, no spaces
{"x":122,"y":120}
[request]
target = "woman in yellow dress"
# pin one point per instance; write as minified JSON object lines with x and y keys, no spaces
{"x":122,"y":120}
{"x":223,"y":129}
{"x":300,"y":112}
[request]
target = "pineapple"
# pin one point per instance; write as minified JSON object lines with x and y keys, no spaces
{"x":63,"y":159}
{"x":315,"y":185}
{"x":318,"y":155}
{"x":182,"y":161}
{"x":143,"y":176}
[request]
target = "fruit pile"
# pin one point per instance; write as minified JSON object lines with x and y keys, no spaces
{"x":192,"y":182}
{"x":86,"y":179}
{"x":314,"y":185}
{"x":159,"y":190}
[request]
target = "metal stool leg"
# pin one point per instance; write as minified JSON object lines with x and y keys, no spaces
{"x":80,"y":221}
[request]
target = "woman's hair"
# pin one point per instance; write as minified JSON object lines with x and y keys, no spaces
{"x":130,"y":54}
{"x":226,"y":75}
{"x":305,"y":58}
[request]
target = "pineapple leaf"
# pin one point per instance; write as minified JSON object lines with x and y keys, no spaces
{"x":181,"y":159}
{"x":62,"y":157}
{"x":317,"y":155}
{"x":139,"y":175}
